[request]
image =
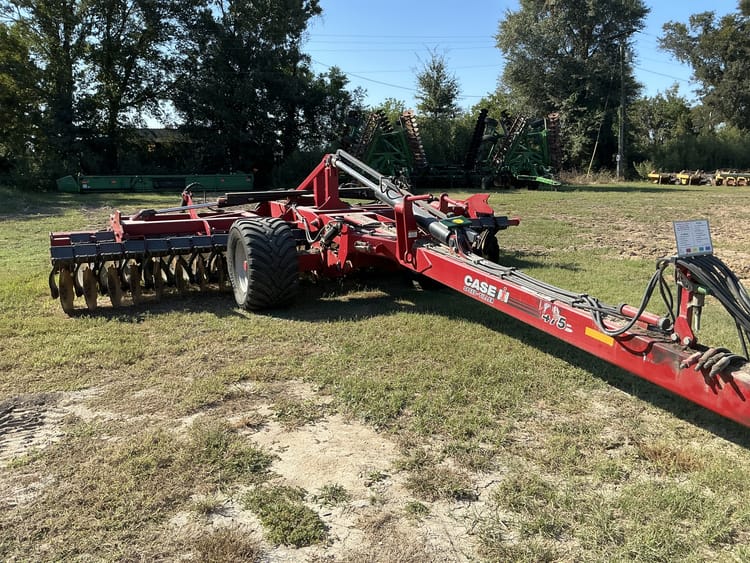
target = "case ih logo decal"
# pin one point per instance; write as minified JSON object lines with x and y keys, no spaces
{"x":484,"y":291}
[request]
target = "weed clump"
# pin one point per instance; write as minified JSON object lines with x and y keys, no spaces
{"x":285,"y":517}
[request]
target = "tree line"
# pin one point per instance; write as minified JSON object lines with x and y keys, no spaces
{"x":576,"y":57}
{"x":80,"y":79}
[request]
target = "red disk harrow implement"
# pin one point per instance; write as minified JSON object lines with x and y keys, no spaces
{"x":316,"y":230}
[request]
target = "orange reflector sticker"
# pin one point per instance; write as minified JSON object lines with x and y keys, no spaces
{"x":600,"y":336}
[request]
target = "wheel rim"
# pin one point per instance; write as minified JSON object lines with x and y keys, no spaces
{"x":239,"y":262}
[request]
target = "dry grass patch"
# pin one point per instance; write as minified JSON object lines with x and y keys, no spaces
{"x":115,"y":485}
{"x":387,"y":540}
{"x":670,"y":458}
{"x":293,"y":413}
{"x":436,"y":482}
{"x":225,"y":545}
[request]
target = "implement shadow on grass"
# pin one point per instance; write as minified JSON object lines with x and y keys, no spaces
{"x":216,"y":302}
{"x":389,"y":294}
{"x":31,"y":206}
{"x":622,"y":380}
{"x":324,"y":301}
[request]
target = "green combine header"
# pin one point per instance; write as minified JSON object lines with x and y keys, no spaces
{"x":82,"y":183}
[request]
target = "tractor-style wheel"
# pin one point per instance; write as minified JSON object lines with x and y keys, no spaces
{"x":262,"y":263}
{"x":487,"y":247}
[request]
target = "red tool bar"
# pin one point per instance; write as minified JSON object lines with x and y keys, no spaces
{"x":647,"y":354}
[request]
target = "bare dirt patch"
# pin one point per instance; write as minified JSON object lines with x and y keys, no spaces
{"x":631,"y":238}
{"x":28,"y":425}
{"x":32,"y":422}
{"x":373,"y":524}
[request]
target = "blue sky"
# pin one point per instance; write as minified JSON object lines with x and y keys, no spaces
{"x":381,"y":45}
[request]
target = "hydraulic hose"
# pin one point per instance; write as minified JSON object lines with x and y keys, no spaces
{"x":716,"y":278}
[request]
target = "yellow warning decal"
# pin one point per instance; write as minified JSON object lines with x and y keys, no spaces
{"x":600,"y":336}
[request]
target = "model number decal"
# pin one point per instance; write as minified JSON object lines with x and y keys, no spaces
{"x":551,"y":315}
{"x":484,"y":290}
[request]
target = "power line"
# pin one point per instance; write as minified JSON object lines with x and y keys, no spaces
{"x":411,"y":71}
{"x":410,"y":36}
{"x":658,"y":61}
{"x":404,"y":42}
{"x":390,"y":85}
{"x":412,"y":90}
{"x":402,"y":50}
{"x":686,"y":81}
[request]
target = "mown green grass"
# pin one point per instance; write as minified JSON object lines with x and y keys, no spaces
{"x":591,"y":463}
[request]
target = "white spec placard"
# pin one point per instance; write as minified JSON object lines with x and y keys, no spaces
{"x":693,"y":237}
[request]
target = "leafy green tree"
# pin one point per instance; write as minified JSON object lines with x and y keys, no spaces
{"x":659,"y":119}
{"x":128,"y":69}
{"x":437,"y":88}
{"x":245,"y":88}
{"x":56,"y":32}
{"x":671,"y":135}
{"x":719,"y":53}
{"x":496,"y":103}
{"x":707,"y":150}
{"x":393,"y":108}
{"x":321,"y":111}
{"x":446,"y":139}
{"x":19,"y":100}
{"x":565,"y":56}
{"x":103,"y":65}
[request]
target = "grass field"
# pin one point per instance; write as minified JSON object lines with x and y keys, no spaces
{"x":372,"y":421}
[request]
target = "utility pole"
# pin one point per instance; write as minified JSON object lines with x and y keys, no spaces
{"x":621,"y":135}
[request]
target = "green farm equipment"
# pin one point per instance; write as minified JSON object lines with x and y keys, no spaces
{"x":515,"y":150}
{"x":510,"y":152}
{"x":395,"y":150}
{"x":82,"y":183}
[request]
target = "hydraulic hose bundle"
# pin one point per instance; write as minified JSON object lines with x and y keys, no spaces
{"x":700,"y":275}
{"x":708,"y":275}
{"x":711,"y":273}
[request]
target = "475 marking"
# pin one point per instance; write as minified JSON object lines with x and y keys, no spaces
{"x":551,"y":315}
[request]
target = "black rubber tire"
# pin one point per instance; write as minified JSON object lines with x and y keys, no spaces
{"x":262,"y":263}
{"x":487,"y":246}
